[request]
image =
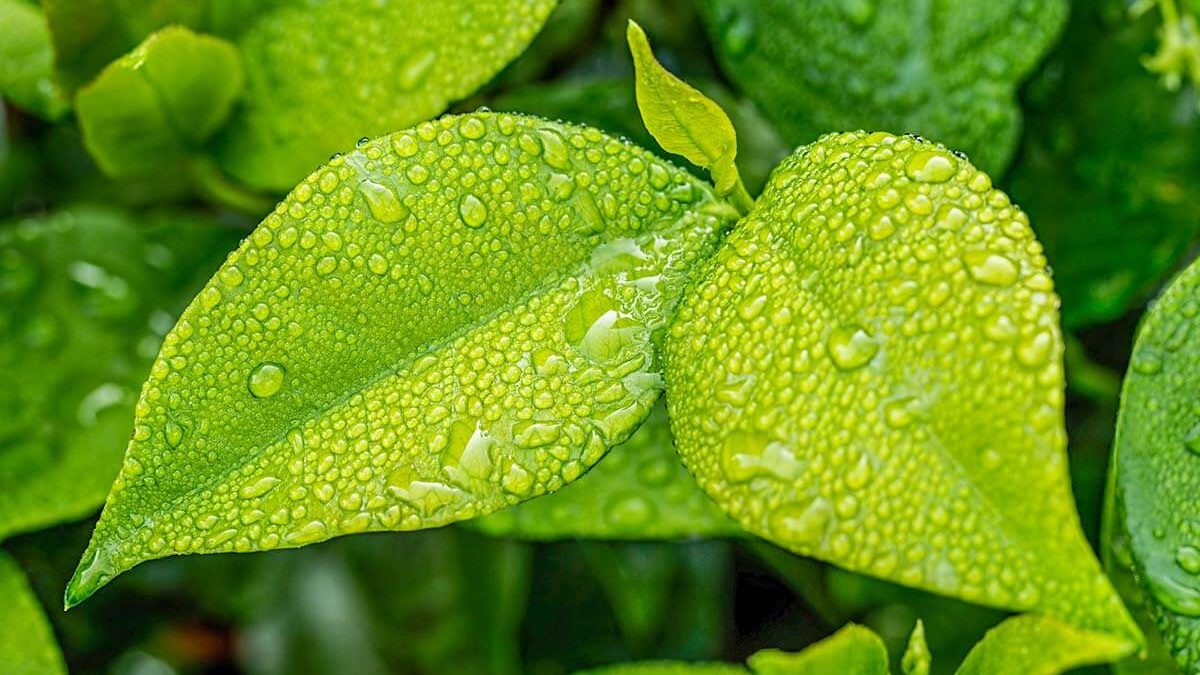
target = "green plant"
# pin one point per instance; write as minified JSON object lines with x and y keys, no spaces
{"x":546,"y":332}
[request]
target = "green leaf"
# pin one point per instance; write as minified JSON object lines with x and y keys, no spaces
{"x":684,"y":121}
{"x":154,"y":106}
{"x":1039,"y":645}
{"x":1106,"y":168}
{"x":27,"y":645}
{"x":916,"y":659}
{"x":1156,"y":467}
{"x":853,"y":650}
{"x":869,"y":372}
{"x":946,"y":70}
{"x":27,"y":60}
{"x":85,"y":297}
{"x":446,"y":321}
{"x":640,"y":490}
{"x":667,"y":668}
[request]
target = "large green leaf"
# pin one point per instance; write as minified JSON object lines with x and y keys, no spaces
{"x":153,"y":106}
{"x":1039,"y":645}
{"x":869,"y":371}
{"x":1108,"y":167}
{"x":27,"y":644}
{"x":85,"y":298}
{"x":27,"y":60}
{"x":1157,"y":469}
{"x":947,"y":69}
{"x":640,"y":490}
{"x":448,"y":320}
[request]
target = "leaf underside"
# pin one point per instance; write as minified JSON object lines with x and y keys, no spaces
{"x":443,"y":322}
{"x":1157,"y":468}
{"x":869,"y":371}
{"x":946,"y":70}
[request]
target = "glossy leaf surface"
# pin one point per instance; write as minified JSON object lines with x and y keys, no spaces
{"x":27,"y":644}
{"x":640,"y":490}
{"x":869,"y":372}
{"x":148,"y":109}
{"x":1157,"y":466}
{"x":85,"y":297}
{"x":27,"y":60}
{"x":1039,"y":645}
{"x":446,"y":321}
{"x":946,"y":69}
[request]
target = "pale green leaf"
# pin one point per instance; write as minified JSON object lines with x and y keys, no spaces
{"x":916,"y":659}
{"x":27,"y":645}
{"x":445,"y":321}
{"x":1039,"y":645}
{"x":853,"y":650}
{"x":640,"y":490}
{"x":1156,"y":466}
{"x":27,"y":60}
{"x":869,"y":372}
{"x":85,"y":297}
{"x":151,"y":108}
{"x":947,"y":70}
{"x":683,"y":120}
{"x":667,"y":668}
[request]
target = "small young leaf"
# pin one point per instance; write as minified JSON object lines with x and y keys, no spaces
{"x":640,"y":490}
{"x":27,"y":60}
{"x":684,"y":121}
{"x":667,"y":668}
{"x":869,"y":371}
{"x":1039,"y":645}
{"x":147,"y":110}
{"x":853,"y":650}
{"x":445,"y":321}
{"x":27,"y":645}
{"x":85,"y":297}
{"x":946,"y":70}
{"x":1156,"y":467}
{"x":916,"y":659}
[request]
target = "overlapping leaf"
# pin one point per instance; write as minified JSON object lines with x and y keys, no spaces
{"x":27,"y":644}
{"x":27,"y":60}
{"x":869,"y":371}
{"x":1039,"y":645}
{"x":945,"y":69}
{"x":1157,"y":468}
{"x":85,"y":297}
{"x":446,"y":321}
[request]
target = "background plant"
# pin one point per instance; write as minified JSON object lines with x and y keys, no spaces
{"x":864,"y":365}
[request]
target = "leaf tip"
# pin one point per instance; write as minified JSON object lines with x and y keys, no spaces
{"x":94,"y":571}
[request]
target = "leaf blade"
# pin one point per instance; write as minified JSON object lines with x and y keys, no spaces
{"x":27,"y":645}
{"x":1039,"y":645}
{"x":400,"y":427}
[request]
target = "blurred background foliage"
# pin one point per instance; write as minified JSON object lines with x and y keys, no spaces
{"x":1106,"y":166}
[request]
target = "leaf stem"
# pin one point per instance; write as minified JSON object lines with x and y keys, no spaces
{"x":740,"y":198}
{"x":214,"y":184}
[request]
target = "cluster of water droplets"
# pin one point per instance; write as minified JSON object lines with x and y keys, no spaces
{"x":443,"y":322}
{"x":868,"y":363}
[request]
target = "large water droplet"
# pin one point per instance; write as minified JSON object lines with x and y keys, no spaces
{"x":1188,"y":559}
{"x":851,"y":347}
{"x":266,"y":380}
{"x":382,"y":202}
{"x":991,"y":268}
{"x":472,"y":211}
{"x":801,"y":523}
{"x":931,"y":166}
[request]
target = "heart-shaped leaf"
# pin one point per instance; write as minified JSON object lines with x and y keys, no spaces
{"x":1156,"y":465}
{"x":86,"y":295}
{"x":640,"y":490}
{"x":948,"y":70}
{"x":27,"y":644}
{"x":869,"y":372}
{"x":443,"y":322}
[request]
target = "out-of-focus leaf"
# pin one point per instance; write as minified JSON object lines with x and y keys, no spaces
{"x":1032,"y":644}
{"x":667,"y":668}
{"x":1156,"y":467}
{"x":853,"y":650}
{"x":609,"y":104}
{"x":27,"y":60}
{"x":1108,"y":168}
{"x":947,"y":70}
{"x":85,"y":297}
{"x":869,"y":371}
{"x":27,"y":644}
{"x":640,"y":490}
{"x":152,"y":107}
{"x":916,"y":659}
{"x":446,"y":321}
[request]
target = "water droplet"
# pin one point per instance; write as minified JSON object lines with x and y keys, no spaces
{"x":1173,"y":594}
{"x":931,"y":166}
{"x":173,"y":432}
{"x":628,"y":510}
{"x":416,"y":67}
{"x":266,"y":380}
{"x":1188,"y":559}
{"x":802,"y":524}
{"x":1035,"y":351}
{"x":554,"y":149}
{"x":851,"y":347}
{"x":382,"y":202}
{"x":259,"y":487}
{"x":746,"y":454}
{"x":991,"y":268}
{"x":472,"y":211}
